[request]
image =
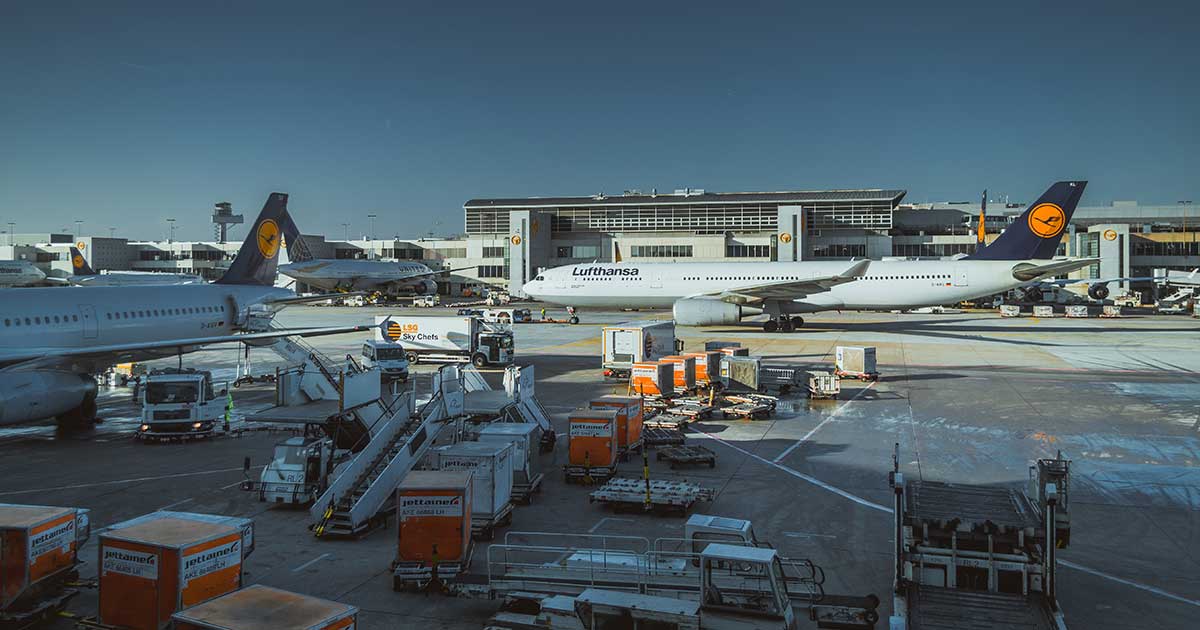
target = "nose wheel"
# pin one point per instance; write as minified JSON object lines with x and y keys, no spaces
{"x":783,"y":324}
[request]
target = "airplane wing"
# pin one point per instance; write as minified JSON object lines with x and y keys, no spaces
{"x":33,"y":357}
{"x":1028,"y":272}
{"x":1090,"y":281}
{"x":303,"y":299}
{"x":56,"y":280}
{"x":786,"y":289}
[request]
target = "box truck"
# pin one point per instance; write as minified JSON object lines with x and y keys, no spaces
{"x":447,"y":339}
{"x":635,"y":342}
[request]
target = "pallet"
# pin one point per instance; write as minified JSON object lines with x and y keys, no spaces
{"x":862,"y":376}
{"x":659,"y":436}
{"x":691,"y":409}
{"x":747,"y":411}
{"x":591,"y":475}
{"x":669,"y":421}
{"x":623,"y":454}
{"x":687,"y":456}
{"x":755,"y":399}
{"x":523,"y":493}
{"x":628,"y":493}
{"x":486,"y":530}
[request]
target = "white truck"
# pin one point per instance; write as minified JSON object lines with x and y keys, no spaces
{"x":427,"y":301}
{"x":633,"y":342}
{"x":447,"y":339}
{"x":297,"y":471}
{"x":388,"y":356}
{"x":180,"y":403}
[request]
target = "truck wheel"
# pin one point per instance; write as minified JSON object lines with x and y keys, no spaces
{"x":412,"y":357}
{"x":573,"y":320}
{"x":479,"y":360}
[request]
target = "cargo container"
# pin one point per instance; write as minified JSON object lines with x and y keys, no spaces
{"x":491,"y":465}
{"x":708,"y":366}
{"x":261,"y":607}
{"x":740,"y":374}
{"x":718,"y":346}
{"x":1077,"y":310}
{"x":625,"y":344}
{"x":39,"y":547}
{"x":159,"y":566}
{"x":856,"y":362}
{"x":781,"y":378}
{"x":630,"y":417}
{"x":823,"y":385}
{"x":1010,"y":310}
{"x":245,"y":525}
{"x":592,"y":449}
{"x":685,"y":371}
{"x":735,"y":351}
{"x":1043,"y":310}
{"x":654,"y":378}
{"x":525,"y":438}
{"x":433,"y":513}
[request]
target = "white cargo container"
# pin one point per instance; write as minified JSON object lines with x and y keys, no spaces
{"x":1077,"y":310}
{"x":855,"y":362}
{"x":447,"y":339}
{"x":636,"y":342}
{"x":1010,"y":310}
{"x":491,"y":466}
{"x":524,"y":438}
{"x":1043,"y":310}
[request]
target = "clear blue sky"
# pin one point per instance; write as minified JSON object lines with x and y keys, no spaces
{"x":125,"y":113}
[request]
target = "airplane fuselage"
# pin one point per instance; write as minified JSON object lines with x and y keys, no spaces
{"x":19,"y":273}
{"x":886,"y":285}
{"x":357,"y":275}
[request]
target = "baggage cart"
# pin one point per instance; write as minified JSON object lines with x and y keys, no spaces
{"x":1077,"y":310}
{"x":662,"y":436}
{"x":626,"y":493}
{"x":1110,"y":311}
{"x":856,"y":362}
{"x":1010,"y":310}
{"x":259,"y":607}
{"x":823,"y":385}
{"x":1043,"y":311}
{"x":684,"y":455}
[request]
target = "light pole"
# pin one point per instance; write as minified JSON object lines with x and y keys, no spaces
{"x":171,"y":222}
{"x":346,"y":232}
{"x":372,"y":218}
{"x":12,"y":228}
{"x":78,"y":227}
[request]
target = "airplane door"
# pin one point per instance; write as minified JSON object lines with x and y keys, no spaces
{"x":960,"y":275}
{"x":655,"y":278}
{"x":91,"y":327}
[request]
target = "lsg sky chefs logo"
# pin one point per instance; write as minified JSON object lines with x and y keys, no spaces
{"x":605,"y":271}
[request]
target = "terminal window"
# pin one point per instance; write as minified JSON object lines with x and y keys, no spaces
{"x":493,"y":271}
{"x":661,"y":251}
{"x":840,"y":250}
{"x":578,"y":251}
{"x":747,"y":251}
{"x":494,"y":252}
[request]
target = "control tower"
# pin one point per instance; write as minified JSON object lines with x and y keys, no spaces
{"x":222,"y":218}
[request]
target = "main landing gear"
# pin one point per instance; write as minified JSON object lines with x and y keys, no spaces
{"x":783,"y":324}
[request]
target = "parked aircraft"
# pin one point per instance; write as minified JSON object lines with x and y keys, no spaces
{"x":85,"y":276}
{"x":708,"y":293}
{"x":375,"y":276}
{"x":52,"y":340}
{"x":20,"y":273}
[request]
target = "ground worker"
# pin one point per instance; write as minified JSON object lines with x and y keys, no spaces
{"x":543,"y":313}
{"x":228,"y":409}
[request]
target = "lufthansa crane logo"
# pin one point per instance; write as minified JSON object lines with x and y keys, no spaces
{"x":394,"y":330}
{"x":1110,"y":235}
{"x":1047,"y":220}
{"x":77,"y":261}
{"x":80,"y":245}
{"x":785,"y":237}
{"x":268,"y":238}
{"x":516,"y":239}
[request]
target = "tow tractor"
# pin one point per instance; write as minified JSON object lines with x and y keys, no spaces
{"x":297,"y":473}
{"x":179,"y":403}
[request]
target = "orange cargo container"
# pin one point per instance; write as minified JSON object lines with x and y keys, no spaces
{"x":264,"y":608}
{"x":708,"y":366}
{"x":593,"y":438}
{"x":736,"y":352}
{"x":653,"y":378}
{"x":629,"y":418}
{"x":433,"y":510}
{"x":153,"y":569}
{"x":685,"y":371}
{"x":38,"y":551}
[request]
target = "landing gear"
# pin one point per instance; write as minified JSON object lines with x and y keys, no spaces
{"x":771,"y":325}
{"x":783,"y":324}
{"x":81,"y":417}
{"x":573,"y":319}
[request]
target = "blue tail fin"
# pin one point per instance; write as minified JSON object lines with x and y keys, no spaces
{"x":79,"y":264}
{"x":259,"y":256}
{"x":297,"y":249}
{"x":1037,"y":233}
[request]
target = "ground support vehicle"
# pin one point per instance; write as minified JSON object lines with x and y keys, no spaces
{"x":823,"y":385}
{"x":297,"y":472}
{"x":655,"y":494}
{"x":390,"y":357}
{"x":447,"y":339}
{"x":684,"y":455}
{"x":180,"y":404}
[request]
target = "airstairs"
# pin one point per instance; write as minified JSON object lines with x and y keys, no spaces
{"x":399,"y":438}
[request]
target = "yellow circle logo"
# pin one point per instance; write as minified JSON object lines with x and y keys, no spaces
{"x":268,"y":238}
{"x":393,"y":331}
{"x":516,"y":239}
{"x":1047,"y":220}
{"x":785,"y":238}
{"x":77,"y":261}
{"x":1110,"y":235}
{"x":81,"y":245}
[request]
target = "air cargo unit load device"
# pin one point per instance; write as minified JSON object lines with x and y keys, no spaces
{"x":636,"y":342}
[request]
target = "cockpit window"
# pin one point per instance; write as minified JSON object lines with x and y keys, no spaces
{"x":539,"y":278}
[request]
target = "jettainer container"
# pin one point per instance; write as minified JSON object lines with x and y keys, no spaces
{"x":625,"y":344}
{"x":246,"y":525}
{"x":433,"y":513}
{"x":261,"y":607}
{"x":157,"y":567}
{"x":655,"y":378}
{"x":685,"y":371}
{"x":708,"y":366}
{"x":592,"y":450}
{"x":491,"y":465}
{"x":630,"y":417}
{"x":39,"y":550}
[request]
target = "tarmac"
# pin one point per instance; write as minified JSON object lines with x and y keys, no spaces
{"x":969,"y":398}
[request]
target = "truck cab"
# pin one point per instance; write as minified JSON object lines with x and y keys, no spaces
{"x":494,"y":348}
{"x":701,"y":530}
{"x":180,"y":403}
{"x":388,"y":356}
{"x":297,"y":470}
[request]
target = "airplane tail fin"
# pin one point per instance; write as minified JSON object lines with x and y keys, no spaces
{"x":981,"y":233}
{"x":1037,"y":233}
{"x":616,"y":252}
{"x":297,"y":249}
{"x":258,"y":258}
{"x":79,"y":264}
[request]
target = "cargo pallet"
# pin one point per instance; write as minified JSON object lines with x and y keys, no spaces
{"x":636,"y":447}
{"x":486,"y":530}
{"x":862,"y":376}
{"x":626,"y":493}
{"x":523,"y":492}
{"x":668,"y":421}
{"x":416,"y":576}
{"x":47,"y":606}
{"x":747,"y":411}
{"x":588,"y":474}
{"x":694,"y":410}
{"x":687,"y":456}
{"x":660,"y":436}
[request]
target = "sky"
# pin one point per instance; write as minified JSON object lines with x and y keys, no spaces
{"x":124,"y":114}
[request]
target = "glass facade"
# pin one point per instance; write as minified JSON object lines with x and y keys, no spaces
{"x":660,"y":251}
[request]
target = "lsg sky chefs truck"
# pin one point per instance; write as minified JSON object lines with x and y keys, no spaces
{"x":448,"y":339}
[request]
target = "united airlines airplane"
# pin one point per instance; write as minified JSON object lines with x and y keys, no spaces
{"x":711,"y":293}
{"x":387,"y":277}
{"x":52,"y":340}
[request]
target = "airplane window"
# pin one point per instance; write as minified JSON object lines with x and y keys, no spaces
{"x":55,"y":320}
{"x":156,"y":312}
{"x":108,"y":316}
{"x":7,"y":322}
{"x":37,"y":320}
{"x":26,"y":321}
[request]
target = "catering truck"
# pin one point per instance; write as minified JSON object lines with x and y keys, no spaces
{"x":636,"y":342}
{"x":447,"y":339}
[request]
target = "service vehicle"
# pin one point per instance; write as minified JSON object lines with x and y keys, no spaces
{"x":180,"y":403}
{"x":389,"y":356}
{"x":427,"y":301}
{"x":447,"y":339}
{"x":636,"y":342}
{"x":507,"y":315}
{"x":297,"y":471}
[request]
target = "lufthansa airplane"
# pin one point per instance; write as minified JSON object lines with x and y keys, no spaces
{"x":710,"y":293}
{"x":52,"y":340}
{"x":84,"y":276}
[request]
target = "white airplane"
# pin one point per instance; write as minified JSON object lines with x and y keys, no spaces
{"x":710,"y":293}
{"x":20,"y":273}
{"x":85,"y":276}
{"x":389,"y":277}
{"x":53,"y":340}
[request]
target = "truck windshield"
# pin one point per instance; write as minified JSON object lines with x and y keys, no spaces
{"x":159,"y":393}
{"x":292,"y":454}
{"x":389,"y":354}
{"x":506,"y":341}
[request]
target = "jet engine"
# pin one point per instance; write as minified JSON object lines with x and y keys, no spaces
{"x":427,"y":287}
{"x":40,"y":394}
{"x":1098,"y":291}
{"x":706,"y":312}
